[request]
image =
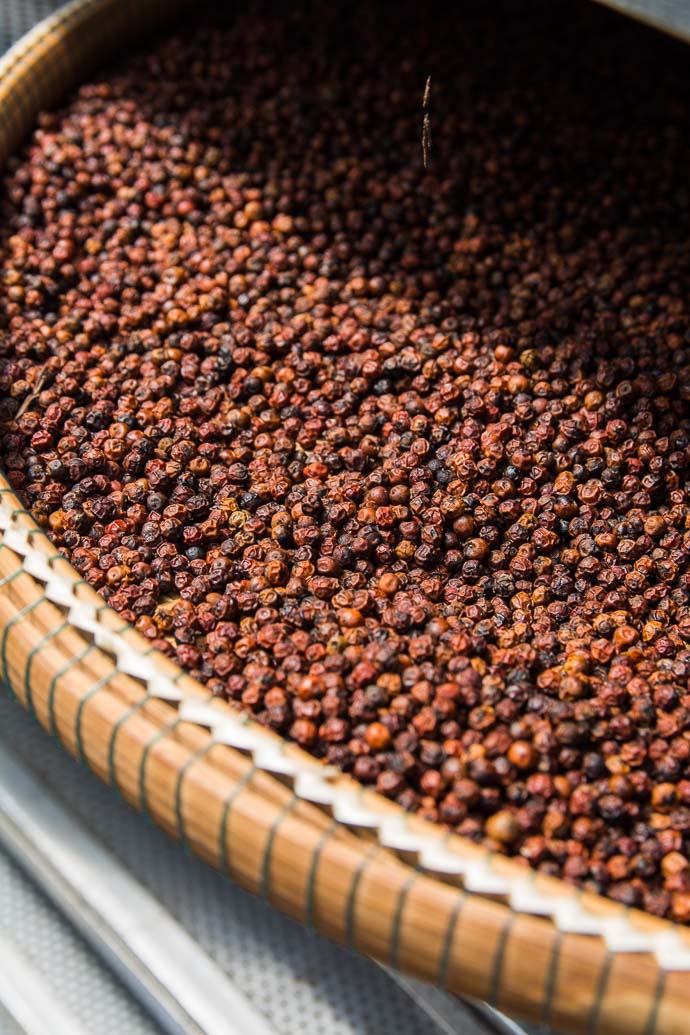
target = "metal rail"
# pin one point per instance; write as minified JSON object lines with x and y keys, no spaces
{"x":32,"y":1013}
{"x":481,"y":1018}
{"x":170,"y":975}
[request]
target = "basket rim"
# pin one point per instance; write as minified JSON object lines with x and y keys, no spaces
{"x":445,"y":857}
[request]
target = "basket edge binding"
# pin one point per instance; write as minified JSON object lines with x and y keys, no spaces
{"x":614,"y":942}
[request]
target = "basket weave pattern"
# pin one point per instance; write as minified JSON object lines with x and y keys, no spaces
{"x":314,"y":843}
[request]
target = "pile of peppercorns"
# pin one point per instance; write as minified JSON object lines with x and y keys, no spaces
{"x":397,"y":461}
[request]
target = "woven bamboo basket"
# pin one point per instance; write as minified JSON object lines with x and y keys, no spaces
{"x":310,"y":840}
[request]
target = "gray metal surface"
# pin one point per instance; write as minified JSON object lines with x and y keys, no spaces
{"x":671,"y":16}
{"x":17,"y":17}
{"x":66,"y":968}
{"x":43,"y":1014}
{"x":135,"y":936}
{"x":8,"y":1025}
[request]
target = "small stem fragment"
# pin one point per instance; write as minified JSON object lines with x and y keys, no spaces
{"x":32,"y":396}
{"x":426,"y":124}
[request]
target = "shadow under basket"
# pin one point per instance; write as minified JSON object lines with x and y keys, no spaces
{"x":309,"y":839}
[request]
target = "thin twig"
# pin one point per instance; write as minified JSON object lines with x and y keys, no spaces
{"x":427,"y":94}
{"x":426,"y":124}
{"x":33,"y":395}
{"x":426,"y":140}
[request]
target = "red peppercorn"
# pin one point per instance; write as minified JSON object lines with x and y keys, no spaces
{"x":415,"y":477}
{"x":377,"y":736}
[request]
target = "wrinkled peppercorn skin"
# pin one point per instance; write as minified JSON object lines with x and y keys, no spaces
{"x":398,"y":461}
